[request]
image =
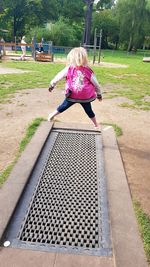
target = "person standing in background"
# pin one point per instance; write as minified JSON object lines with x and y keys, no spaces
{"x":23,"y":48}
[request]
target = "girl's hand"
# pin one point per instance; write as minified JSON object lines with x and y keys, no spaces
{"x":50,"y":88}
{"x":99,"y":97}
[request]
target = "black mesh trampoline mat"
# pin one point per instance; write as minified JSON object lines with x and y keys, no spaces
{"x":64,"y":204}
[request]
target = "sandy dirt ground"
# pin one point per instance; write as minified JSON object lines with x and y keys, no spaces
{"x":134,"y":144}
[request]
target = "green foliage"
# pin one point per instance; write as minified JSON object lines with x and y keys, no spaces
{"x":117,"y":129}
{"x":72,"y":10}
{"x":125,"y":23}
{"x":148,"y":5}
{"x":144,"y":225}
{"x":6,"y":172}
{"x":28,"y":135}
{"x":39,"y":33}
{"x":133,"y":17}
{"x":19,"y":16}
{"x":62,"y":33}
{"x":106,"y":21}
{"x":17,"y":13}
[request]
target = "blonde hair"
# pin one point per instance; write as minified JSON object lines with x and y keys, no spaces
{"x":77,"y":57}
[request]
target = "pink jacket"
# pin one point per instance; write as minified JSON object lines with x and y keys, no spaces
{"x":81,"y":81}
{"x":78,"y":80}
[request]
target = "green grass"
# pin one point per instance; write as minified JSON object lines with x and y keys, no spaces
{"x":28,"y":135}
{"x":144,"y":225}
{"x":39,"y":75}
{"x":117,"y":129}
{"x":132,"y":82}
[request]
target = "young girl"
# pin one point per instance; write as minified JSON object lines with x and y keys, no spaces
{"x":81,"y":84}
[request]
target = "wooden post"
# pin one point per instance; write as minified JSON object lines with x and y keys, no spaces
{"x":94,"y":48}
{"x":49,"y":50}
{"x":33,"y":48}
{"x":15,"y":44}
{"x":100,"y":44}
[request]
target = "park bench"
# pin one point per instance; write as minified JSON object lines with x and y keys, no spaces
{"x":146,"y":59}
{"x":44,"y":57}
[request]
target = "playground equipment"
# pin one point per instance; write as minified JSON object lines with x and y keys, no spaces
{"x":96,"y":36}
{"x":94,"y":46}
{"x":146,"y":59}
{"x":10,"y":49}
{"x":46,"y":55}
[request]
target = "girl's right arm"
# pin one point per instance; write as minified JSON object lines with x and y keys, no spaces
{"x":62,"y":74}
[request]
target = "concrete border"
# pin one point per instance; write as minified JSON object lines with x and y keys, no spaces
{"x":127,"y":244}
{"x":12,"y":189}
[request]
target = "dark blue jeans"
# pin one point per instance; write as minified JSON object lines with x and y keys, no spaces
{"x":86,"y":106}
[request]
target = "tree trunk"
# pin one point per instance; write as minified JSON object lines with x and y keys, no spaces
{"x":116,"y":45}
{"x":88,"y":22}
{"x":14,"y":26}
{"x":130,"y":45}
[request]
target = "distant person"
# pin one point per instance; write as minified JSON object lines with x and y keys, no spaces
{"x":2,"y":47}
{"x":23,"y":48}
{"x":81,"y":84}
{"x":40,"y":48}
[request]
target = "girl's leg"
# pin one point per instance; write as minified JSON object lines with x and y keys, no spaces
{"x":65,"y":105}
{"x":52,"y":115}
{"x":88,"y":109}
{"x":24,"y":54}
{"x":94,"y":121}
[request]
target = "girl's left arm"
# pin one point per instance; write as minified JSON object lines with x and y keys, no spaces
{"x":97,"y":86}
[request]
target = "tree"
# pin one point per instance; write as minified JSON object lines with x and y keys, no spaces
{"x":15,"y":13}
{"x":71,"y":9}
{"x":132,"y":17}
{"x":106,"y":21}
{"x":63,"y":34}
{"x":22,"y":15}
{"x":88,"y":21}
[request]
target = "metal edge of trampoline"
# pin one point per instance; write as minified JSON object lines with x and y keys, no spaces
{"x":106,"y":251}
